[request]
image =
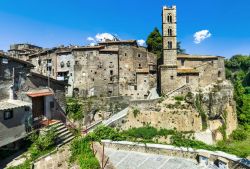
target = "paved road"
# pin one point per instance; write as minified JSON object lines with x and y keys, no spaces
{"x":136,"y":160}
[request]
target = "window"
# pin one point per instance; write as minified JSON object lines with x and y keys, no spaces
{"x":8,"y":114}
{"x":169,"y":45}
{"x":219,"y":74}
{"x":169,"y":32}
{"x":111,"y":72}
{"x":125,"y":54}
{"x":76,"y":62}
{"x":26,"y":109}
{"x":187,"y":79}
{"x":182,"y":62}
{"x":140,"y":66}
{"x":52,"y":105}
{"x":172,"y":77}
{"x":111,"y":79}
{"x":139,"y":55}
{"x":68,"y":64}
{"x":62,"y":64}
{"x":169,"y":18}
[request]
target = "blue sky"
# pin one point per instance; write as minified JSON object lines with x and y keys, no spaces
{"x":49,"y":23}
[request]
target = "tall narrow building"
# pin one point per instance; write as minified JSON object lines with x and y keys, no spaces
{"x":168,"y":70}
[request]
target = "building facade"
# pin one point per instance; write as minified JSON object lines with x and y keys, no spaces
{"x":27,"y":99}
{"x":111,"y":68}
{"x":179,"y":70}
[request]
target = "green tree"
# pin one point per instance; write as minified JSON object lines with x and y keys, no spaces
{"x":154,"y":42}
{"x":179,"y":49}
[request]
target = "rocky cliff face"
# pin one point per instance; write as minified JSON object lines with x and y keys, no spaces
{"x":210,"y":112}
{"x":217,"y":108}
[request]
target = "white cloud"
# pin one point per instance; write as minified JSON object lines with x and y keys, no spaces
{"x":92,"y":44}
{"x":141,"y":42}
{"x":201,"y":36}
{"x":90,"y":39}
{"x":101,"y":37}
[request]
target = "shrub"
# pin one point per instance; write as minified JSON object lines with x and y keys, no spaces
{"x":75,"y":110}
{"x":239,"y":135}
{"x":179,"y":98}
{"x":82,"y":153}
{"x":146,"y":132}
{"x":136,"y":112}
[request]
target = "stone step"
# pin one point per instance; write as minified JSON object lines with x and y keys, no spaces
{"x":66,"y":141}
{"x":61,"y":127}
{"x":61,"y":135}
{"x":58,"y":132}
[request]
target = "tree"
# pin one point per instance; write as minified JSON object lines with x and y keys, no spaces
{"x":154,"y":42}
{"x":179,"y":49}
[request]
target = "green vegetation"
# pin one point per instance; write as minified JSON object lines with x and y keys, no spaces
{"x":136,"y":112}
{"x":74,"y":109}
{"x":148,"y":134}
{"x":81,"y":152}
{"x":237,"y":70}
{"x":198,"y":106}
{"x":42,"y":144}
{"x":154,"y":43}
{"x":179,"y":98}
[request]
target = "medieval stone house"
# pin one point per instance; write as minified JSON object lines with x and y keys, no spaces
{"x":112,"y":68}
{"x":27,"y":100}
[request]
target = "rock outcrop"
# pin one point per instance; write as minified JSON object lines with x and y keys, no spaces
{"x":209,"y":111}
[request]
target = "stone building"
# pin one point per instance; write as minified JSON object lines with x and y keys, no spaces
{"x":27,"y":99}
{"x":111,"y":68}
{"x":23,"y":50}
{"x":179,"y":70}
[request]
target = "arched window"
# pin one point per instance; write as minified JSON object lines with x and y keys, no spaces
{"x":169,"y":45}
{"x":169,"y":32}
{"x":169,"y":18}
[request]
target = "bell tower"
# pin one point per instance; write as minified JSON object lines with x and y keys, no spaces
{"x":169,"y":36}
{"x":168,"y":70}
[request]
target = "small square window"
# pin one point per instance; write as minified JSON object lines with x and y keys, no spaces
{"x":52,"y":105}
{"x":172,"y":77}
{"x":26,"y":109}
{"x":8,"y":114}
{"x":139,"y":55}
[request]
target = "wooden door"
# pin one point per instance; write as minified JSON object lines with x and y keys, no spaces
{"x":37,"y":106}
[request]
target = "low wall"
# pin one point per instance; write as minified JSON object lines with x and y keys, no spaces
{"x":144,"y":104}
{"x":168,"y":150}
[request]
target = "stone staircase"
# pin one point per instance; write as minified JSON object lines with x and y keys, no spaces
{"x":64,"y":135}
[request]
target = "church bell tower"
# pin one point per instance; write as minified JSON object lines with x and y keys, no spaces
{"x":168,"y":71}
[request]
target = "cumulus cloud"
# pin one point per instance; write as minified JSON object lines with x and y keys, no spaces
{"x":201,"y":36}
{"x":141,"y":42}
{"x":101,"y":37}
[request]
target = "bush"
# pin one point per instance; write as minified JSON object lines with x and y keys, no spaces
{"x":146,"y":132}
{"x":239,"y":135}
{"x":136,"y":112}
{"x":179,"y":98}
{"x":75,"y":110}
{"x":82,"y":153}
